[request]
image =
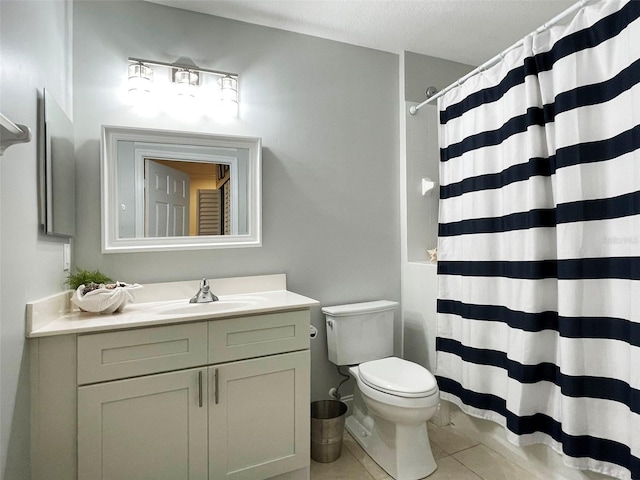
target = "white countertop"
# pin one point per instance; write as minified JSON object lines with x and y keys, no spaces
{"x":166,"y":303}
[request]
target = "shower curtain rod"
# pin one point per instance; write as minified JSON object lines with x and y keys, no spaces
{"x":493,"y":61}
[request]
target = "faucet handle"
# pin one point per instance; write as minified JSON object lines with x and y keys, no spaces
{"x":204,"y":294}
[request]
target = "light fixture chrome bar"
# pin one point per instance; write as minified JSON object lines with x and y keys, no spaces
{"x":185,"y":67}
{"x":493,"y":61}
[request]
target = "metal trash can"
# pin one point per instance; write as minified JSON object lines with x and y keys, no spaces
{"x":327,"y":429}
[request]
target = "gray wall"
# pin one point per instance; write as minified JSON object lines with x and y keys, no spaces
{"x":423,"y":71}
{"x":422,"y":153}
{"x":35,"y":53}
{"x":421,"y":156}
{"x":328,"y":116}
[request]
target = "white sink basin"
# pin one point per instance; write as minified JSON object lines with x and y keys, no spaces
{"x":183,"y":307}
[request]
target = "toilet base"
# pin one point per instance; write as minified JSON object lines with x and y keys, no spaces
{"x":403,"y":451}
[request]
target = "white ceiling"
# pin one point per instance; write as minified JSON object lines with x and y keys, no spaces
{"x":466,"y":31}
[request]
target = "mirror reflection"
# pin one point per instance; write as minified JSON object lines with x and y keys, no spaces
{"x":185,"y":198}
{"x":166,"y":190}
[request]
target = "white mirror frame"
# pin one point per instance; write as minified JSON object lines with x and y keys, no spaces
{"x":111,"y":243}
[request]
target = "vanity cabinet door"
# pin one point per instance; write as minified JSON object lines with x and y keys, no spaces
{"x":151,"y":428}
{"x":259,"y":417}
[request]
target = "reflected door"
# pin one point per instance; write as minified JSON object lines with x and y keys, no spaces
{"x":166,"y":201}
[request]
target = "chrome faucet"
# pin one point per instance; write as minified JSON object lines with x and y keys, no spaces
{"x":204,"y":295}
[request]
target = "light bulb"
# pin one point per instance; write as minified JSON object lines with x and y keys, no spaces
{"x":186,"y":83}
{"x":140,"y":78}
{"x":229,"y":96}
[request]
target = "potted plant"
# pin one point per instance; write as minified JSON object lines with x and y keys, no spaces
{"x":86,"y":277}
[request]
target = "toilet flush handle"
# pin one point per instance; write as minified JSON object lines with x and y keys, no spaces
{"x":330,"y":323}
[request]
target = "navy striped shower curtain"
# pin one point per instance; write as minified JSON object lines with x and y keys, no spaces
{"x":539,"y":241}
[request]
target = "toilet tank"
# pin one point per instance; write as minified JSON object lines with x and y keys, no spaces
{"x":360,"y":332}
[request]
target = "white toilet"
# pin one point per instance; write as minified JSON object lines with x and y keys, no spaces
{"x":394,"y":398}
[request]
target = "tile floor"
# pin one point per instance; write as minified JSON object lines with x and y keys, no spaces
{"x":458,"y":457}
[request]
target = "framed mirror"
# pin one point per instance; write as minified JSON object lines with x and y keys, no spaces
{"x":167,"y":190}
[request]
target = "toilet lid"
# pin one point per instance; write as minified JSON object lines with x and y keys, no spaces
{"x":398,"y":377}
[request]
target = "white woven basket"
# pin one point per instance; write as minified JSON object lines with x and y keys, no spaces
{"x":104,"y":300}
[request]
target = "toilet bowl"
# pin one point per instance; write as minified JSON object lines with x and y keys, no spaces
{"x":393,"y":402}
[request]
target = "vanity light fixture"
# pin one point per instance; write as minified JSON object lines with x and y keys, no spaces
{"x":186,"y":82}
{"x":189,"y":81}
{"x":229,"y":95}
{"x":140,"y":78}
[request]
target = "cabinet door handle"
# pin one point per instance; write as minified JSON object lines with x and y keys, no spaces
{"x":200,"y":388}
{"x":215,"y":384}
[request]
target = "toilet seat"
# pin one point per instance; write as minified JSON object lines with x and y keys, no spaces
{"x":394,"y":400}
{"x":398,"y":377}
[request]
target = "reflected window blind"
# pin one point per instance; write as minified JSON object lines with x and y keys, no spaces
{"x":210,"y":212}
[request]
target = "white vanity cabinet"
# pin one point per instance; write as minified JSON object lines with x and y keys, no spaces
{"x":259,"y":417}
{"x":219,"y":399}
{"x":143,"y":428}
